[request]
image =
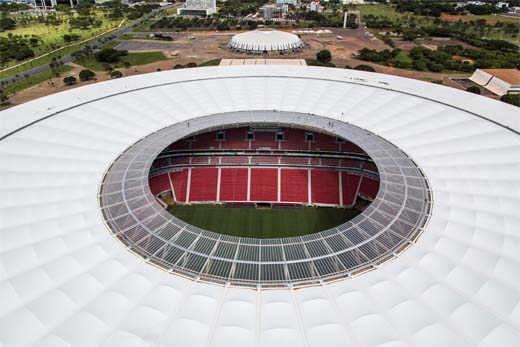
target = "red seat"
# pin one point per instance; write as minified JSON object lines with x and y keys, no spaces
{"x":235,"y":139}
{"x":264,"y":185}
{"x":294,"y":185}
{"x":369,"y":187}
{"x":233,"y":184}
{"x":159,"y":184}
{"x":324,"y":143}
{"x":349,"y":187}
{"x":203,"y":184}
{"x":180,"y":183}
{"x":325,"y":186}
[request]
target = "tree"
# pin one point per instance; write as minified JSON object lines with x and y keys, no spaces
{"x":473,"y":89}
{"x":86,"y":75}
{"x":109,"y":55}
{"x":3,"y":96}
{"x":513,"y":99}
{"x":7,"y":24}
{"x":364,"y":67}
{"x":116,"y":74}
{"x":69,"y":80}
{"x":324,"y":56}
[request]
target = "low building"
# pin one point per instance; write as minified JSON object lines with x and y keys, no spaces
{"x":270,"y":11}
{"x":198,"y":7}
{"x":498,"y":81}
{"x":314,"y":6}
{"x":287,"y":2}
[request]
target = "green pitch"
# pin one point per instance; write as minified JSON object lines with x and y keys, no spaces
{"x":263,"y":223}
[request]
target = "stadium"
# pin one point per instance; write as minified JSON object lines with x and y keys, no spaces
{"x":260,"y":206}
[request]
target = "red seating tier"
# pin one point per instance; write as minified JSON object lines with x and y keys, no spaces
{"x":295,"y":140}
{"x":266,"y":139}
{"x":294,"y":185}
{"x":203,"y":184}
{"x":351,"y":148}
{"x":325,"y":186}
{"x":159,"y":184}
{"x":235,"y":139}
{"x":369,"y":187}
{"x":349,"y":187}
{"x":233,"y":184}
{"x":324,"y":143}
{"x":205,"y":141}
{"x":180,"y":183}
{"x":264,"y":185}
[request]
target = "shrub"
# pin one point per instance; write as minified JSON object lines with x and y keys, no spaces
{"x":473,"y":89}
{"x":116,"y":74}
{"x":86,"y":75}
{"x":109,"y":55}
{"x":364,"y":67}
{"x":324,"y":56}
{"x":191,"y":64}
{"x":69,"y":80}
{"x":513,"y":99}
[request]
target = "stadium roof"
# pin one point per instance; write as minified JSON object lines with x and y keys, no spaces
{"x":66,"y":281}
{"x":261,"y":40}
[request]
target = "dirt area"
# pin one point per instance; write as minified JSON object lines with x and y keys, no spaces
{"x":203,"y":46}
{"x":434,"y":43}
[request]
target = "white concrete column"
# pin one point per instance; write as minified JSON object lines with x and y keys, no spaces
{"x":248,"y":183}
{"x":309,"y":185}
{"x":171,"y":186}
{"x":218,"y":183}
{"x":340,"y":188}
{"x":188,"y":186}
{"x":279,"y":183}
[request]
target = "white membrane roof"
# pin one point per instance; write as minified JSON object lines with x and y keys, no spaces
{"x":66,"y":281}
{"x":265,"y":40}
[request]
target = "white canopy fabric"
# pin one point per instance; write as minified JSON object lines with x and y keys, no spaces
{"x":65,"y":281}
{"x":265,"y":40}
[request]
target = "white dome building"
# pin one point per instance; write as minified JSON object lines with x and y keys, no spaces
{"x":265,"y":40}
{"x":66,"y":279}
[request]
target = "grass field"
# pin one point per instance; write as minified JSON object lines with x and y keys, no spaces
{"x":51,"y":36}
{"x":35,"y":79}
{"x":134,"y":59}
{"x":263,"y":223}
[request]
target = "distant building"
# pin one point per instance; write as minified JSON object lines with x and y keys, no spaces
{"x":287,"y":2}
{"x":348,"y":2}
{"x":498,"y":81}
{"x":52,"y":3}
{"x":198,"y":7}
{"x":502,"y":5}
{"x":314,"y":6}
{"x":270,"y":11}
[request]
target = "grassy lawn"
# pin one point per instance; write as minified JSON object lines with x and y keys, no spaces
{"x":51,"y":36}
{"x":491,"y":19}
{"x":263,"y":223}
{"x":36,"y":79}
{"x":133,"y":58}
{"x":145,"y":26}
{"x":213,"y":62}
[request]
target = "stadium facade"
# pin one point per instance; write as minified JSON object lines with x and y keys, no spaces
{"x":67,"y":280}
